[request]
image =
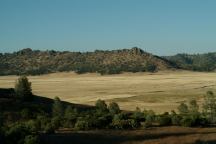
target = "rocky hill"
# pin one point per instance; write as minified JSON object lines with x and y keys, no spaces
{"x":34,"y":62}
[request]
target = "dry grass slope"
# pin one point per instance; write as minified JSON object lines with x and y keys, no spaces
{"x":162,"y":91}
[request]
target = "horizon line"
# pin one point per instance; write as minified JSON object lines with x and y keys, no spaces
{"x":85,"y":51}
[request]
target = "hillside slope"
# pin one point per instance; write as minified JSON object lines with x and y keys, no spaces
{"x":196,"y":62}
{"x":35,"y":62}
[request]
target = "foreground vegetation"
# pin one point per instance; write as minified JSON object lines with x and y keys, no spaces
{"x":26,"y":120}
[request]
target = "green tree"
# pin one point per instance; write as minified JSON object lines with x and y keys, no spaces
{"x":183,"y":109}
{"x":70,"y":116}
{"x":194,"y":112}
{"x":57,"y":108}
{"x":114,"y":108}
{"x":193,"y":107}
{"x":101,"y":106}
{"x":209,"y":107}
{"x":189,"y":113}
{"x":23,"y":88}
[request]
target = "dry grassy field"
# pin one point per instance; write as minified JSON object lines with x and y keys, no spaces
{"x":162,"y":91}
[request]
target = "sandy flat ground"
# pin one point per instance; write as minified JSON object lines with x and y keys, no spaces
{"x":162,"y":91}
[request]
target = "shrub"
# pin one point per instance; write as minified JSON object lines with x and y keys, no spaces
{"x":25,"y":113}
{"x":125,"y":124}
{"x":31,"y":139}
{"x":149,"y":118}
{"x":121,"y":124}
{"x":175,"y":118}
{"x":82,"y":125}
{"x":16,"y":134}
{"x":92,"y":121}
{"x":187,"y":121}
{"x":42,"y":121}
{"x":49,"y":129}
{"x":121,"y":121}
{"x":104,"y":121}
{"x":23,"y":89}
{"x":164,"y":120}
{"x":95,"y":121}
{"x":138,"y":115}
{"x":56,"y":122}
{"x":120,"y":116}
{"x":134,"y":123}
{"x":32,"y":125}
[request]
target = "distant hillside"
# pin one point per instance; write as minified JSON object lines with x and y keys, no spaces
{"x":37,"y":62}
{"x":196,"y":62}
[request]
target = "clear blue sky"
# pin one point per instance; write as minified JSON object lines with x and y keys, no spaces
{"x":163,"y":27}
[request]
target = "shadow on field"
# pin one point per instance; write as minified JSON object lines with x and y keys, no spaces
{"x":9,"y":102}
{"x":114,"y":137}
